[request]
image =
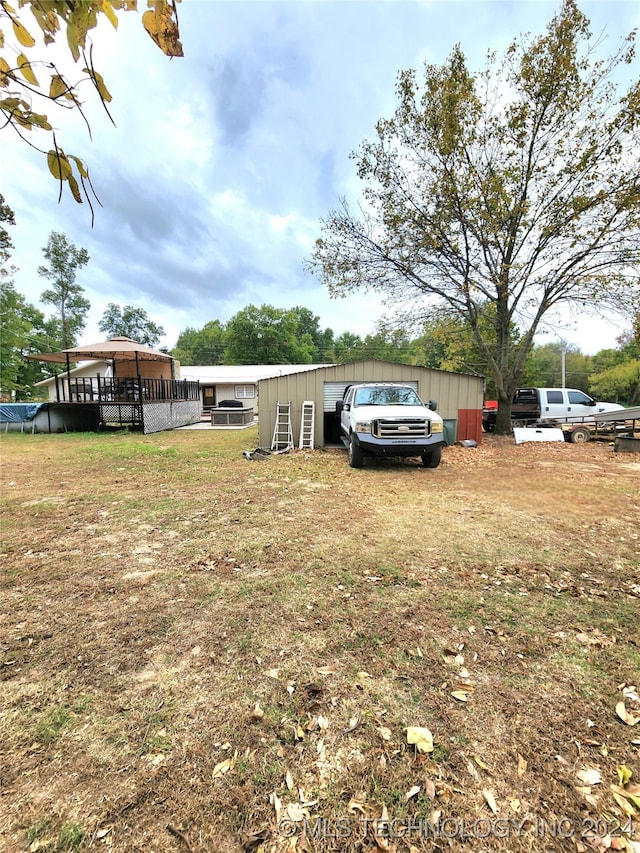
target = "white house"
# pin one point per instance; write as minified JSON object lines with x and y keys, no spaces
{"x":238,"y":382}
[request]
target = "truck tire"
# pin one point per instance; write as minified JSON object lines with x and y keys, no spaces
{"x":356,"y":456}
{"x":432,"y":459}
{"x":580,"y":435}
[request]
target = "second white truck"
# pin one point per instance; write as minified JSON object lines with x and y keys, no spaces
{"x":566,"y":407}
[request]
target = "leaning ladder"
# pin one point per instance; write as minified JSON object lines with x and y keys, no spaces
{"x":307,"y":424}
{"x":282,"y":432}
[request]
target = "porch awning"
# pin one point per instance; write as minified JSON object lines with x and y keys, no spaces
{"x":116,"y":349}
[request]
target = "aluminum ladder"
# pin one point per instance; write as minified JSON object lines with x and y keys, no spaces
{"x":307,"y":423}
{"x":282,"y":432}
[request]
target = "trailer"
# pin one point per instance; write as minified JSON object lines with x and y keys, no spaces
{"x":622,"y":426}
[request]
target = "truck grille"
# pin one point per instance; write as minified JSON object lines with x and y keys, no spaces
{"x":400,"y":428}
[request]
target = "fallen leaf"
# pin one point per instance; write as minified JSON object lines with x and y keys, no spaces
{"x":480,"y":762}
{"x":288,"y":778}
{"x":222,"y":767}
{"x":273,"y":673}
{"x":257,"y":713}
{"x":326,"y":670}
{"x":274,"y":799}
{"x":412,"y":793}
{"x":490,"y":800}
{"x":384,"y":732}
{"x":625,"y":715}
{"x":522,"y":765}
{"x":429,"y":789}
{"x":296,"y":812}
{"x":460,"y":695}
{"x":590,"y":776}
{"x":624,"y":774}
{"x":421,"y":738}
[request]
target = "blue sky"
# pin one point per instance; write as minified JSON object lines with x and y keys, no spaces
{"x":222,"y":164}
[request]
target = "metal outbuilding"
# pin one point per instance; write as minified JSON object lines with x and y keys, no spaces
{"x":459,"y":397}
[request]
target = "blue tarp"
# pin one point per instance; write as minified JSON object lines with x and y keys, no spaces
{"x":19,"y":412}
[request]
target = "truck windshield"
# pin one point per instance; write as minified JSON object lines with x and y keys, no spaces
{"x":395,"y":396}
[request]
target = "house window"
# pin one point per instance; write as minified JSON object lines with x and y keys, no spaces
{"x":245,"y":392}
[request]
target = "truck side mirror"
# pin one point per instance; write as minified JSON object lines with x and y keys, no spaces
{"x":339,"y":407}
{"x":433,"y":405}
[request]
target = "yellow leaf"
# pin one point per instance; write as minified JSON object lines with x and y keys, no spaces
{"x":421,"y":738}
{"x":75,"y":189}
{"x":99,"y":83}
{"x":5,"y":71}
{"x":480,"y":762}
{"x":57,"y":86}
{"x":26,"y":70}
{"x":159,"y":23}
{"x":22,"y":34}
{"x":59,"y":166}
{"x":107,"y":8}
{"x":624,"y":774}
{"x":624,"y":804}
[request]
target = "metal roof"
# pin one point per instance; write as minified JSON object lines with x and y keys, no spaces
{"x":116,"y":349}
{"x":244,"y":374}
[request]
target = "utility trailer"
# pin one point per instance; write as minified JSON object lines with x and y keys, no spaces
{"x":623,"y":426}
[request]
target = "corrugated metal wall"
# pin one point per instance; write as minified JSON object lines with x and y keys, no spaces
{"x":452,"y":392}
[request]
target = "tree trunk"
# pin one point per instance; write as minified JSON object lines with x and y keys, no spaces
{"x":503,"y":417}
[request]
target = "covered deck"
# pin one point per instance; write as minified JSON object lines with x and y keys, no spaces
{"x":133,"y":386}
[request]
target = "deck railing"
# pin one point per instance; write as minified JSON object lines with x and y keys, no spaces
{"x":104,"y":389}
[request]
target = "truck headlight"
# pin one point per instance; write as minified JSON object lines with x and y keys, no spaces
{"x":363,"y":426}
{"x":437,"y":426}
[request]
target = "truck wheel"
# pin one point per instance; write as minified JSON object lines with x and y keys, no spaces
{"x":580,"y":435}
{"x":356,"y":456}
{"x":432,"y":459}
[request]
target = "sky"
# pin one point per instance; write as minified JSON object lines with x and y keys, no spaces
{"x":222,"y":164}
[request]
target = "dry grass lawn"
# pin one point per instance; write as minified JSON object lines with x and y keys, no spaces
{"x":204,"y":653}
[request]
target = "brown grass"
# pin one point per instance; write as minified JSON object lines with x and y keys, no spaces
{"x":195,"y":647}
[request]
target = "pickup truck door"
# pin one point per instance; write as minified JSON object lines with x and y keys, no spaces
{"x":344,"y":414}
{"x":566,"y":405}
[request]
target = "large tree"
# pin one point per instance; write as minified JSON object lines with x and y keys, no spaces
{"x":267,"y":335}
{"x":31,"y":85}
{"x":202,"y":346}
{"x":502,"y":195}
{"x":130,"y":322}
{"x":65,"y":259}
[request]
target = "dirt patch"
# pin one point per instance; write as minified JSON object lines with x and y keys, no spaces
{"x":200,"y":652}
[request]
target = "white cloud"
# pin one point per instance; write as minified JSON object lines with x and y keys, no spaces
{"x":222,"y":164}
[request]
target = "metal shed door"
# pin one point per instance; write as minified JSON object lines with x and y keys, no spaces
{"x":334,"y":391}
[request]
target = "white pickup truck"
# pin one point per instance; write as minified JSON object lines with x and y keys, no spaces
{"x":389,"y":419}
{"x":564,"y":407}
